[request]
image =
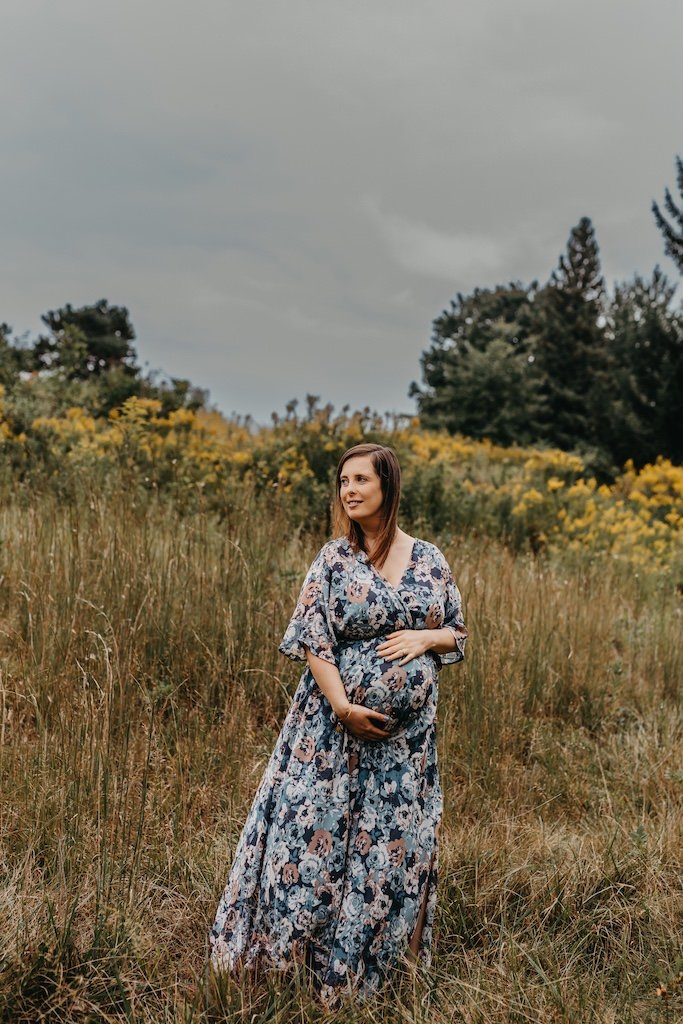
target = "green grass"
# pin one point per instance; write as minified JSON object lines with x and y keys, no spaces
{"x":140,"y":697}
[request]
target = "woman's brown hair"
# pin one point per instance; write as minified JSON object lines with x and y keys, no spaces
{"x":386,"y":466}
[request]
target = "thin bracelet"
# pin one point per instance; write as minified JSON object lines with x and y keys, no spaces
{"x":347,"y":713}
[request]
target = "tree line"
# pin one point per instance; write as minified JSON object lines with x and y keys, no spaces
{"x":562,"y":363}
{"x":84,"y":358}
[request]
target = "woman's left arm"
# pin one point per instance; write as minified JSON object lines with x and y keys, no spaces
{"x":441,"y":641}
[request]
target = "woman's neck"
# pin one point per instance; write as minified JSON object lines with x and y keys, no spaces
{"x":370,"y":537}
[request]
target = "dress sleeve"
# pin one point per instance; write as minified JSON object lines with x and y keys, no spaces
{"x":453,"y":619}
{"x":310,"y":625}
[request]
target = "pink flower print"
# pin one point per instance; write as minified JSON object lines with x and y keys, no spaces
{"x":434,"y":616}
{"x":231,"y":919}
{"x":290,"y":873}
{"x":321,"y":842}
{"x":305,"y":749}
{"x":363,"y":843}
{"x":420,"y":693}
{"x":306,"y":814}
{"x":397,"y":852}
{"x":395,"y":678}
{"x":324,"y":759}
{"x":323,"y":888}
{"x":310,"y":593}
{"x":377,"y":616}
{"x":411,"y":601}
{"x":403,"y":815}
{"x":357,"y":590}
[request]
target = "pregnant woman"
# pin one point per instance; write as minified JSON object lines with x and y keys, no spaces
{"x":336,"y":866}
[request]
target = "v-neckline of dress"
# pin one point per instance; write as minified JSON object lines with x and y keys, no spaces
{"x":409,"y":565}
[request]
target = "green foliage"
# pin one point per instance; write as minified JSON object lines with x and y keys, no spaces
{"x":562,"y":365}
{"x":646,"y":340}
{"x":14,"y":358}
{"x":479,"y":374}
{"x":571,"y":350}
{"x":672,"y":231}
{"x":86,"y":341}
{"x":495,"y":394}
{"x":87,"y":361}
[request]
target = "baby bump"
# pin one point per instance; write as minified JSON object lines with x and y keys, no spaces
{"x":400,"y":691}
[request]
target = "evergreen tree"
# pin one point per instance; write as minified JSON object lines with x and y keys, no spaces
{"x":87,"y":341}
{"x":571,"y":346}
{"x":479,"y":372}
{"x":646,"y":339}
{"x":672,"y":232}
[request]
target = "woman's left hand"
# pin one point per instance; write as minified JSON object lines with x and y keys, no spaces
{"x":405,"y":644}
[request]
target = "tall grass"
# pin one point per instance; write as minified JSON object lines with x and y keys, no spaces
{"x":140,"y":697}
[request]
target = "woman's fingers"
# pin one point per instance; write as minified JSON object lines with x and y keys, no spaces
{"x":402,"y":651}
{"x":379,"y":726}
{"x":367,"y":723}
{"x":389,"y":652}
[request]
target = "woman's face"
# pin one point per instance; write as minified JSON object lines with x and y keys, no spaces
{"x":360,"y":489}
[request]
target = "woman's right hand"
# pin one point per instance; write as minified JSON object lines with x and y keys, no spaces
{"x":365,"y":723}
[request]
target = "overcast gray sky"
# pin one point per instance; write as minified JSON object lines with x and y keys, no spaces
{"x":285,"y":194}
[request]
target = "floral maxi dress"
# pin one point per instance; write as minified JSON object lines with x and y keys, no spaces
{"x":339,"y":850}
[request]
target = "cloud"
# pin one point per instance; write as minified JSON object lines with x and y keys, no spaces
{"x":463,"y":257}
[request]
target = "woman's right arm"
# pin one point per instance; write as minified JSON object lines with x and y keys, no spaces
{"x":355,"y":717}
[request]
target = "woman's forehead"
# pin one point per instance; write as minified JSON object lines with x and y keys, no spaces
{"x":358,"y":464}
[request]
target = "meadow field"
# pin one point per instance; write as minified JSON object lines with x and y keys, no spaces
{"x":141,"y":695}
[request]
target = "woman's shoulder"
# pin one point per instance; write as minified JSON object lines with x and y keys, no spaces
{"x":333,"y":549}
{"x":336,"y":545}
{"x":428,"y":551}
{"x":426,"y":548}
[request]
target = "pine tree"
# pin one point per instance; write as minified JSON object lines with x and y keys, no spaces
{"x":479,"y":375}
{"x":673,"y":233}
{"x":87,"y":341}
{"x":646,"y":339}
{"x":571,"y":349}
